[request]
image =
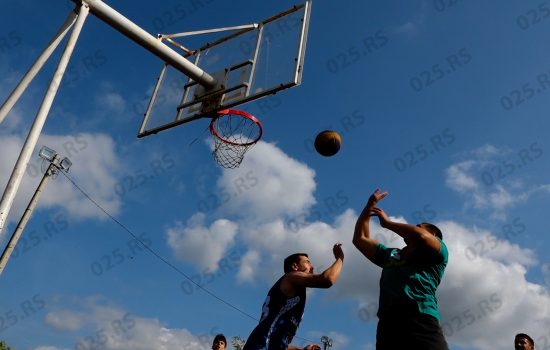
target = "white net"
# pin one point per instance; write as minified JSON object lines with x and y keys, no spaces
{"x":235,"y":132}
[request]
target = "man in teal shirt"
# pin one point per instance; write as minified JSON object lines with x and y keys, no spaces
{"x":407,"y":312}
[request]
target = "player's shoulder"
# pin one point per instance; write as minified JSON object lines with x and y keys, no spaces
{"x":443,"y":251}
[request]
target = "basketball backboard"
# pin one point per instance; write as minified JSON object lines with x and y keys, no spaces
{"x":251,"y":62}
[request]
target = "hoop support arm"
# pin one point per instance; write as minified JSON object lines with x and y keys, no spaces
{"x":131,"y":30}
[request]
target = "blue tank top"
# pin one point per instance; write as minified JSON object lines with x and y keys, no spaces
{"x":280,"y":319}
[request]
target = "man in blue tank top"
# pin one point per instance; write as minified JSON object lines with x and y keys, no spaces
{"x":284,"y":305}
{"x":408,"y":315}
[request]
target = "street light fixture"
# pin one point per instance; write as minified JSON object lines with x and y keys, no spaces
{"x":327,"y":342}
{"x":55,"y":166}
{"x":65,"y":164}
{"x":47,"y":153}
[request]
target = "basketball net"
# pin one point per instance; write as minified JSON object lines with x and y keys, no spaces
{"x":234,"y":132}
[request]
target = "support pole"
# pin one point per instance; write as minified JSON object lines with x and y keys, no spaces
{"x":38,"y":124}
{"x":40,"y":61}
{"x":25,"y":218}
{"x":128,"y":28}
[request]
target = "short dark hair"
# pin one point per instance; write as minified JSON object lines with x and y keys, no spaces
{"x":219,"y":337}
{"x":291,"y":259}
{"x":433,"y":229}
{"x":523,"y":335}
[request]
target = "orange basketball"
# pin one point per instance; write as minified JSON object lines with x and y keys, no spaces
{"x":328,"y":143}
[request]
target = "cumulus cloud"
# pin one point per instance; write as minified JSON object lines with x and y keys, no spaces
{"x":267,"y":185}
{"x":546,"y":274}
{"x":490,"y":269}
{"x":189,"y":242}
{"x":459,"y":179}
{"x":112,"y":101}
{"x":490,"y":178}
{"x":484,"y":265}
{"x":249,"y":260}
{"x":121,"y":329}
{"x":94,"y":166}
{"x":65,"y":320}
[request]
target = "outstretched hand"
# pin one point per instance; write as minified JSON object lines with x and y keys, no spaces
{"x":375,"y":198}
{"x":312,"y":347}
{"x":381,"y":215}
{"x":337,"y":251}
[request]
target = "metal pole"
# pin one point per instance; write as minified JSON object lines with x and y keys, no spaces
{"x":40,"y":61}
{"x":36,"y":129}
{"x":149,"y":42}
{"x":25,"y":218}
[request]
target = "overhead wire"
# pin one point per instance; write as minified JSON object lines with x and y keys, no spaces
{"x":160,"y":257}
{"x":157,"y":255}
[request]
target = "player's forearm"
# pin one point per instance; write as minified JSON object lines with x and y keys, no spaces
{"x":407,"y":231}
{"x":333,"y":272}
{"x":362,"y":226}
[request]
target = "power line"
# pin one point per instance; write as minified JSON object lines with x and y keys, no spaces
{"x":160,"y":256}
{"x":153,"y":252}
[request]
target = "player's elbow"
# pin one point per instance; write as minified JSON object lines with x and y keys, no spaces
{"x":327,"y":281}
{"x":327,"y":284}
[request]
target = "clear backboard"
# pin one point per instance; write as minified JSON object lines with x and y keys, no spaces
{"x":251,"y":62}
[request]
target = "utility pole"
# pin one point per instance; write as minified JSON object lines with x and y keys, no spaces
{"x":327,"y":342}
{"x":55,"y":166}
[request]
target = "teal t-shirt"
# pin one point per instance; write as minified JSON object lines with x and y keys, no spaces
{"x":410,"y":278}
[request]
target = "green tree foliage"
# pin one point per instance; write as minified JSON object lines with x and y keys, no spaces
{"x":4,"y":346}
{"x":237,"y":342}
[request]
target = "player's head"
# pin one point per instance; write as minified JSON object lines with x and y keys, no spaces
{"x":219,"y":343}
{"x":523,"y":342}
{"x":431,"y":228}
{"x":298,"y":262}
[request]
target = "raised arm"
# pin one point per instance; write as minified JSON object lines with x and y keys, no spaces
{"x":307,"y":347}
{"x":325,"y":279}
{"x":416,"y":234}
{"x":361,"y":236}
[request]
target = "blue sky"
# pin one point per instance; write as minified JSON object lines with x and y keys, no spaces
{"x":442,"y":103}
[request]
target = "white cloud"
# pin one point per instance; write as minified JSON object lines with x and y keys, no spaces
{"x":458,"y":178}
{"x":267,"y":185}
{"x":491,"y":269}
{"x":94,"y":167}
{"x":190,"y":242}
{"x":413,"y":25}
{"x":247,"y":272}
{"x":483,"y":265}
{"x":546,"y":274}
{"x":112,"y":101}
{"x":64,"y":320}
{"x":490,"y":180}
{"x":122,"y":330}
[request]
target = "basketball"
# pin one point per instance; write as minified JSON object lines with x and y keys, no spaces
{"x":327,"y":143}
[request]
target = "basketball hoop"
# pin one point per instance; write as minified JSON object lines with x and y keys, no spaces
{"x":234,"y":132}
